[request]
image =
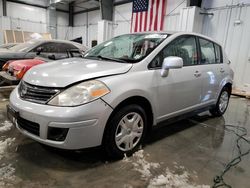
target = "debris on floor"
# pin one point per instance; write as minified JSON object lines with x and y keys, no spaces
{"x":5,"y":126}
{"x":167,"y":179}
{"x":6,"y":175}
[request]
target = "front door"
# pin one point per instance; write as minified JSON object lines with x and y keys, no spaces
{"x":180,"y":90}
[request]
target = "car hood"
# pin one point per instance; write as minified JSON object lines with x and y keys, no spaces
{"x":28,"y":63}
{"x":68,"y":71}
{"x":3,"y":50}
{"x":9,"y":54}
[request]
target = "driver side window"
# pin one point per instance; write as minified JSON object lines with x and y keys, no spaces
{"x":184,"y":47}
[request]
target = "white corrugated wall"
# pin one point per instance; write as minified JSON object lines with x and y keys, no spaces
{"x":230,"y":25}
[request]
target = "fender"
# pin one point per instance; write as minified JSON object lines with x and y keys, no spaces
{"x":226,"y":80}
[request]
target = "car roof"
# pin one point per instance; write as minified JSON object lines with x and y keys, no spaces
{"x":179,"y":33}
{"x":78,"y":45}
{"x":197,"y":34}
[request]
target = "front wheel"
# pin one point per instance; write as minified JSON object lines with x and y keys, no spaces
{"x":125,"y":131}
{"x":222,"y":103}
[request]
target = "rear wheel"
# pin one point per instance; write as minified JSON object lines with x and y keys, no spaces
{"x":125,"y":131}
{"x":222,"y":103}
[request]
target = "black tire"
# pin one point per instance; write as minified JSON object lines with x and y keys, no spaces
{"x":216,"y":111}
{"x":109,"y":141}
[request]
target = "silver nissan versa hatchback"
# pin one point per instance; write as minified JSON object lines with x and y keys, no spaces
{"x":120,"y":89}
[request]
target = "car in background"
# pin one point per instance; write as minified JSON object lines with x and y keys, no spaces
{"x":120,"y":89}
{"x":14,"y":70}
{"x":7,"y":46}
{"x":32,"y":48}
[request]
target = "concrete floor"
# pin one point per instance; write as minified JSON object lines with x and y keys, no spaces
{"x":186,"y":154}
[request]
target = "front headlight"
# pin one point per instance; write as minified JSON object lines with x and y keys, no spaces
{"x":80,"y":94}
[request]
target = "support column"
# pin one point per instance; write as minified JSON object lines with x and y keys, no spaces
{"x":51,"y":19}
{"x":105,"y":31}
{"x":196,"y":3}
{"x":107,"y":8}
{"x":71,"y":14}
{"x":190,"y":19}
{"x":4,"y":4}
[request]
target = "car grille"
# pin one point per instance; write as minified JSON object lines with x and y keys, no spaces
{"x":36,"y":94}
{"x":29,"y":126}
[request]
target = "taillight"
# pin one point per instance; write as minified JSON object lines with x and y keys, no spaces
{"x":20,"y":74}
{"x":5,"y":66}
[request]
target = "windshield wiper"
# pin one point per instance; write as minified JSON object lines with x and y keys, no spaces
{"x":108,"y":58}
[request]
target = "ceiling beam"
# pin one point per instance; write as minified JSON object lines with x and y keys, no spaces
{"x":107,"y":7}
{"x":98,"y":8}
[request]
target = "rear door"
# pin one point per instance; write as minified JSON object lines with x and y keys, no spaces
{"x":180,"y":91}
{"x":211,"y":66}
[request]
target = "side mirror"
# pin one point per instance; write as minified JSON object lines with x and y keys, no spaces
{"x":39,"y":50}
{"x":52,"y":57}
{"x":171,"y":62}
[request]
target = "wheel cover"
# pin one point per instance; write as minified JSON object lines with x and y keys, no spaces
{"x":129,"y":131}
{"x":223,"y":102}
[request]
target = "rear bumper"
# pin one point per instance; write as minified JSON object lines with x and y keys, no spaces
{"x":8,"y":78}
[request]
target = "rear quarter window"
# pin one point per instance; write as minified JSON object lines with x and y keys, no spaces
{"x":218,"y":54}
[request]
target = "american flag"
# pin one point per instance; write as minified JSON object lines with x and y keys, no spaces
{"x":148,"y":15}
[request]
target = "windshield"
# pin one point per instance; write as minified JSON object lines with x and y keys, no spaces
{"x":126,"y":48}
{"x":23,"y":47}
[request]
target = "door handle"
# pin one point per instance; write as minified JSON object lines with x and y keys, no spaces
{"x":197,"y":74}
{"x":222,"y":70}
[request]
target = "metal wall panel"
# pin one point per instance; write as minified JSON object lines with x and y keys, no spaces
{"x":122,"y":19}
{"x":231,"y":27}
{"x":80,"y":31}
{"x":171,"y":22}
{"x":64,"y":32}
{"x":220,"y":3}
{"x":26,"y":12}
{"x":8,"y":23}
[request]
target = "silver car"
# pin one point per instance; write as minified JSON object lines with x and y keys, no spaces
{"x":120,"y":89}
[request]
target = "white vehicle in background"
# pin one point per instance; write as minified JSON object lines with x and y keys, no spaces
{"x":120,"y":89}
{"x":7,"y":46}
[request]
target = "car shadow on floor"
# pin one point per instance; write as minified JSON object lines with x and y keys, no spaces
{"x":53,"y":158}
{"x":30,"y":151}
{"x":165,"y":129}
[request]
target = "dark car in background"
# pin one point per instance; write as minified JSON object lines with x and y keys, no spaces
{"x":33,"y":48}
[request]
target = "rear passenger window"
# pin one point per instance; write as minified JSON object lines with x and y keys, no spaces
{"x":218,"y":56}
{"x":63,"y":47}
{"x":207,"y":52}
{"x":49,"y":47}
